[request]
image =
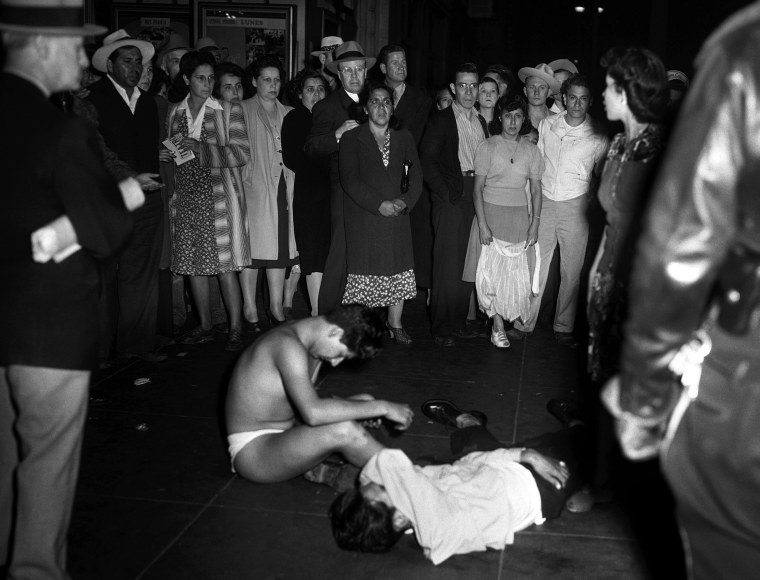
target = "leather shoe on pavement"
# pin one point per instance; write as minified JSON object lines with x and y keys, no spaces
{"x":446,"y":413}
{"x":464,"y":333}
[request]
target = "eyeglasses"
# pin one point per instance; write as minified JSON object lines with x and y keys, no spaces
{"x":209,"y":79}
{"x":353,"y":70}
{"x":466,"y":86}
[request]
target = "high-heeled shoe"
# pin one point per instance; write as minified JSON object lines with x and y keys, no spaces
{"x":274,"y":321}
{"x":398,"y":334}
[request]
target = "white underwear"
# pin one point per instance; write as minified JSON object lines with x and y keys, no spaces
{"x":237,"y":441}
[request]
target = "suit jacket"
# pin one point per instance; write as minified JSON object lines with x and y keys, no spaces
{"x":439,"y":155}
{"x":377,"y":245}
{"x":329,"y":114}
{"x":134,"y":138}
{"x":412,"y":111}
{"x":48,"y":312}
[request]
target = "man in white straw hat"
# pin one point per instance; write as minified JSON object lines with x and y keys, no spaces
{"x":325,"y":55}
{"x":54,"y":183}
{"x":539,"y":84}
{"x":128,"y":122}
{"x":332,"y":118}
{"x":562,"y":68}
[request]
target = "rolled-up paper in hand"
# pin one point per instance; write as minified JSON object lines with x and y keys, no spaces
{"x":56,"y":241}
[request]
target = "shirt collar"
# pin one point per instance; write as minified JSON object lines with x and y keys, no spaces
{"x":211,"y":102}
{"x":460,"y":111}
{"x":354,"y":97}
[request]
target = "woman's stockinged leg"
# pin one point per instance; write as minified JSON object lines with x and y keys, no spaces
{"x":200,"y":291}
{"x":248,"y":279}
{"x":232,"y":299}
{"x":276,"y":281}
{"x":313,"y":283}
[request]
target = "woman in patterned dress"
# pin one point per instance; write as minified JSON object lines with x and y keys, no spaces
{"x":210,"y":236}
{"x":373,"y":158}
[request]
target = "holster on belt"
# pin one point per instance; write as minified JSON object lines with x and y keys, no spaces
{"x":738,"y":289}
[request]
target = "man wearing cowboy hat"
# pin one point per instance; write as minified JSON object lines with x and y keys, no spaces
{"x":325,"y":55}
{"x":562,"y":68}
{"x":332,"y":118}
{"x":539,"y":84}
{"x":128,"y":122}
{"x":48,"y":310}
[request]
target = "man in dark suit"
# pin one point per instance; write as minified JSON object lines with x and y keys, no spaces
{"x":333,"y":116}
{"x":128,"y":121}
{"x":447,"y":154}
{"x":48,"y":310}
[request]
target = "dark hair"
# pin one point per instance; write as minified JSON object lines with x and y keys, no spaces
{"x":225,"y":68}
{"x":160,"y":78}
{"x":485,"y":79}
{"x":254,"y":69}
{"x":115,"y":54}
{"x":506,"y":75}
{"x":509,"y":102}
{"x":358,"y":524}
{"x":393,"y":122}
{"x":386,"y":50}
{"x":575,"y":80}
{"x":466,"y":67}
{"x":640,"y":73}
{"x":187,"y":65}
{"x":362,"y":328}
{"x":295,"y":86}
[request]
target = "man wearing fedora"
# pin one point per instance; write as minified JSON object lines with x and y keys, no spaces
{"x":325,"y":55}
{"x":539,"y":84}
{"x":171,"y":54}
{"x":48,"y":309}
{"x":332,"y":117}
{"x":128,"y":122}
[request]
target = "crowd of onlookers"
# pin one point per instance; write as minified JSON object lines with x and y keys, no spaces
{"x":365,"y":185}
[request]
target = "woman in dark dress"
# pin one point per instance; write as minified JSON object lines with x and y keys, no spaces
{"x":311,"y":195}
{"x":374,"y":159}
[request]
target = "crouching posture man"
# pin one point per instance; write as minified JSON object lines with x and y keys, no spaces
{"x":278,"y":425}
{"x":475,"y":503}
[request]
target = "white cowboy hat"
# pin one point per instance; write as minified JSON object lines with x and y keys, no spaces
{"x":116,"y":40}
{"x":347,"y":51}
{"x":48,"y":17}
{"x":563,"y":64}
{"x":542,"y":71}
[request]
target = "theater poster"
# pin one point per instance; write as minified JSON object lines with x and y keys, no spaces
{"x":152,"y":22}
{"x":246,"y":31}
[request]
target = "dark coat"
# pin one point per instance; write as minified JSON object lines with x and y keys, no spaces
{"x":48,"y":312}
{"x":377,"y":245}
{"x":311,"y":193}
{"x":439,"y":155}
{"x":412,"y":111}
{"x":134,"y":138}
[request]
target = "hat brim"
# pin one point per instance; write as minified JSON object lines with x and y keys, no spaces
{"x":100,"y":58}
{"x":369,"y":62}
{"x":526,"y":72}
{"x":84,"y":30}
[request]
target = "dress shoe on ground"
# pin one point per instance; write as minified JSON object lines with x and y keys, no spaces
{"x":499,"y":339}
{"x":445,"y":412}
{"x":234,"y":340}
{"x":464,"y":333}
{"x":565,"y":339}
{"x":565,"y":411}
{"x":445,"y":341}
{"x":516,"y":334}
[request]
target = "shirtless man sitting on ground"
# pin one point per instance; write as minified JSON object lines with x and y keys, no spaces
{"x":278,"y":425}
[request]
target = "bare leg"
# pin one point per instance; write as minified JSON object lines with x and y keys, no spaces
{"x":199,"y":288}
{"x":276,"y":281}
{"x":291,"y":285}
{"x":394,"y":314}
{"x":313,"y":282}
{"x":498,"y":323}
{"x":282,"y":456}
{"x":228,"y":281}
{"x":248,"y":279}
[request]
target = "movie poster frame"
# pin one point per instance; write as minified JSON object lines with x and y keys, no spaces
{"x":212,"y":20}
{"x":126,"y":15}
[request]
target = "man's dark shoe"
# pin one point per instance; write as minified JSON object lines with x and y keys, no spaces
{"x":566,"y":339}
{"x":464,"y":333}
{"x":516,"y":334}
{"x":446,"y":413}
{"x":565,"y":411}
{"x":445,"y":341}
{"x":480,"y":327}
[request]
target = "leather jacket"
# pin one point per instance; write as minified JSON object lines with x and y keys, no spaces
{"x":705,"y":200}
